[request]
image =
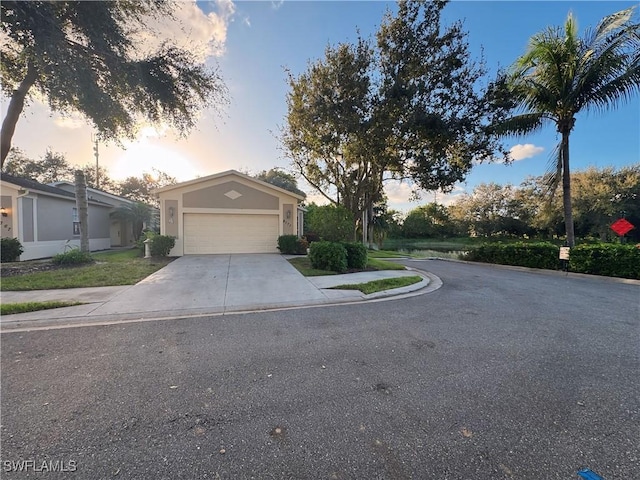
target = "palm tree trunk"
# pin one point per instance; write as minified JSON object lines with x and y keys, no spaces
{"x":16,"y":105}
{"x":83,"y":210}
{"x":566,"y":190}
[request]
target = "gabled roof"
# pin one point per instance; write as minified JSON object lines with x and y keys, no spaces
{"x":96,"y":190}
{"x":32,"y":185}
{"x":224,"y":174}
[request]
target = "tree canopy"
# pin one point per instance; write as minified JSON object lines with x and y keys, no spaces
{"x":562,"y":74}
{"x":282,"y":179}
{"x":83,"y":57}
{"x":408,"y":105}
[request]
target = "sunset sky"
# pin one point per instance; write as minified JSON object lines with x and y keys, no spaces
{"x":253,"y":42}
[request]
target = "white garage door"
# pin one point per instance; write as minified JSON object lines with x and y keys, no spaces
{"x":214,"y":233}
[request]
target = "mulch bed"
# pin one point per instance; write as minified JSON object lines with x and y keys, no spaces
{"x":15,"y":269}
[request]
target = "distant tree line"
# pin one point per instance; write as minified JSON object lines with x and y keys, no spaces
{"x":599,"y":197}
{"x":54,"y":167}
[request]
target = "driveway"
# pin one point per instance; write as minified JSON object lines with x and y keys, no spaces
{"x":216,"y":283}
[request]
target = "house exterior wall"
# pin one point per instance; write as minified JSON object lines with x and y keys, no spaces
{"x":208,"y":196}
{"x":173,"y":219}
{"x":222,"y":196}
{"x":6,"y":223}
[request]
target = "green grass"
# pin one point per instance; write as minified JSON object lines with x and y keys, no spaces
{"x":303,"y":265}
{"x":378,"y":264}
{"x":380,"y":285}
{"x":122,"y":267}
{"x":386,"y":254}
{"x":11,"y":308}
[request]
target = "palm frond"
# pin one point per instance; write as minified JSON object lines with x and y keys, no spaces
{"x":612,"y":23}
{"x":521,"y":124}
{"x":553,"y":174}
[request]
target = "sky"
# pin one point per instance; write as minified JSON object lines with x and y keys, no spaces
{"x":254,"y":43}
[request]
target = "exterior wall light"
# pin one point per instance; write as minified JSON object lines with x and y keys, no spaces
{"x":3,"y":212}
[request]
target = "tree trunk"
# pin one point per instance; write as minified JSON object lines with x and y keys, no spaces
{"x":83,"y":210}
{"x":16,"y":104}
{"x":566,"y":190}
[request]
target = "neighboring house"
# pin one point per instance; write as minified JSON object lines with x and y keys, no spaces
{"x":120,"y":231}
{"x":45,"y":217}
{"x":228,"y":212}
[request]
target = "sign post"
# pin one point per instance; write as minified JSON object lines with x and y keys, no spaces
{"x":564,"y":258}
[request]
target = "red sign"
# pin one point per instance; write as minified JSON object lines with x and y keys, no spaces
{"x":622,"y":226}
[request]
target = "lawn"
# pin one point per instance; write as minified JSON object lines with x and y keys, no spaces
{"x":380,"y":285}
{"x":119,"y":267}
{"x":11,"y":308}
{"x":303,"y":265}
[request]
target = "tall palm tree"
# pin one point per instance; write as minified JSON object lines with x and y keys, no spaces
{"x":562,"y":74}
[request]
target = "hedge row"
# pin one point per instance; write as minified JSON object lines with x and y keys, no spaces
{"x":534,"y":255}
{"x":337,"y":257}
{"x":612,"y":260}
{"x":608,"y":259}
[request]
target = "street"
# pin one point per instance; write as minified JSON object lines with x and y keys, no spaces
{"x":499,"y":374}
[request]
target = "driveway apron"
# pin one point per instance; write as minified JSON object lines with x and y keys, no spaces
{"x":216,"y":283}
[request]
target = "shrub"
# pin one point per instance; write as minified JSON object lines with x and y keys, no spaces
{"x":10,"y":249}
{"x":72,"y":257}
{"x":292,"y":245}
{"x":534,"y":255}
{"x":356,"y":255}
{"x":328,"y":256}
{"x":610,"y":259}
{"x":332,"y":223}
{"x":161,"y":245}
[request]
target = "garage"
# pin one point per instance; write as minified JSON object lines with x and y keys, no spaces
{"x":223,"y":233}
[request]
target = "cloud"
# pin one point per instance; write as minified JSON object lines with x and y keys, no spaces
{"x":191,"y":29}
{"x":246,"y":21}
{"x":71,"y":122}
{"x":528,"y":150}
{"x":276,"y":4}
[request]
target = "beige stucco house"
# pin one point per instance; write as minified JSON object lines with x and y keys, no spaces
{"x":228,"y":212}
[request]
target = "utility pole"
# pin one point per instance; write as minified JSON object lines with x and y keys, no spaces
{"x":95,"y":152}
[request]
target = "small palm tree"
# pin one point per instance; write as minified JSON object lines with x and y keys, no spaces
{"x":562,"y":74}
{"x":137,"y":213}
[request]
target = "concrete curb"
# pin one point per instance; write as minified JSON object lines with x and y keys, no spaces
{"x":541,"y":271}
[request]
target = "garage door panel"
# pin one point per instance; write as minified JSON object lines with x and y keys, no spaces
{"x":221,"y":233}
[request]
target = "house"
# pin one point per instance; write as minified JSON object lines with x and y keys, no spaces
{"x":45,"y":217}
{"x":120,"y":231}
{"x":228,"y":212}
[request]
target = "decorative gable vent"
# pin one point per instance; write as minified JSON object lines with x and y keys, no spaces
{"x":232,"y":194}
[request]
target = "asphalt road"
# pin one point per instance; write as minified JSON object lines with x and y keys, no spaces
{"x":499,"y":374}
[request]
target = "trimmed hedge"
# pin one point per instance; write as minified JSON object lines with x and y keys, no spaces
{"x":292,"y":245}
{"x":356,"y":255}
{"x":534,"y":255}
{"x":610,"y":259}
{"x":10,"y":249}
{"x":328,"y":256}
{"x":161,"y":245}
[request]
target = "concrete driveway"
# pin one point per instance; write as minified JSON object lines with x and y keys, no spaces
{"x":216,"y":283}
